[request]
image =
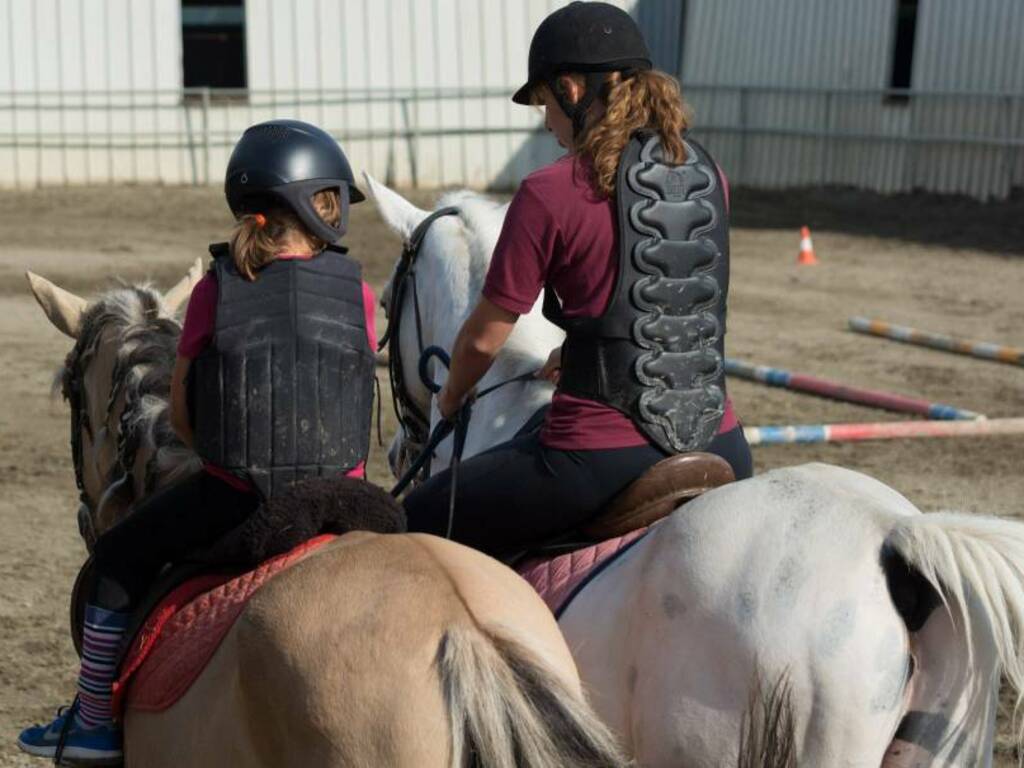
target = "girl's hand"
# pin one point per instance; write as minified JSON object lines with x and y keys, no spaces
{"x":552,"y":369}
{"x":446,"y":404}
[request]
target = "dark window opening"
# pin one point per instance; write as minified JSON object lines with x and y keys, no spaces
{"x":213,"y":44}
{"x":902,"y":63}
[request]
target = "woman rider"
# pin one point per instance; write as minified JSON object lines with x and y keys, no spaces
{"x":628,"y":234}
{"x":278,"y":338}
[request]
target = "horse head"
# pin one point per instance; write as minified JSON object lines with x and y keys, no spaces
{"x":449,"y":273}
{"x":116,"y":380}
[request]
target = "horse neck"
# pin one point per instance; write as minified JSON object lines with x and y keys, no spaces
{"x":140,"y":453}
{"x":450,"y":285}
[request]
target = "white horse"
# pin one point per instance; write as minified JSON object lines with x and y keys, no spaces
{"x":891,"y":628}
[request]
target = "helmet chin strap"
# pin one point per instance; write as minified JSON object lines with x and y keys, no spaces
{"x":578,"y":112}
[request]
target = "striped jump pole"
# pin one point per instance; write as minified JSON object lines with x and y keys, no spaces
{"x":982,"y":349}
{"x":886,"y":430}
{"x":777,"y":377}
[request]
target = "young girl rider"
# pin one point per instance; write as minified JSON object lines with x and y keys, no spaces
{"x":628,"y":237}
{"x":276,"y":355}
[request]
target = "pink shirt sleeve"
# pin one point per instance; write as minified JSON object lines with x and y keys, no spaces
{"x":522,"y":256}
{"x":199,"y":318}
{"x":369,"y":308}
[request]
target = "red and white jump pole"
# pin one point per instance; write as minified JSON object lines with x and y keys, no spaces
{"x":801,"y":382}
{"x":889,"y":430}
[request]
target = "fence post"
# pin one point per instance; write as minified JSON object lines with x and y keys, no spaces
{"x":1015,"y":133}
{"x":190,"y":137}
{"x":1009,"y":150}
{"x":206,"y":134}
{"x":743,"y":136}
{"x":826,"y":170}
{"x":411,"y":139}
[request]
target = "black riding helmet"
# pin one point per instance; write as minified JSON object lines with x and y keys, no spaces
{"x":591,"y":38}
{"x":287,"y":162}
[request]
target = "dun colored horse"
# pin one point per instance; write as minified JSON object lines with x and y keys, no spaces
{"x":397,"y":650}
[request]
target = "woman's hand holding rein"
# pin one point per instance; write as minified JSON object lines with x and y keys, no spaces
{"x":480,"y":339}
{"x":552,"y":369}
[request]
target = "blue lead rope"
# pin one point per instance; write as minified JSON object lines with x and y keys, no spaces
{"x":458,"y":424}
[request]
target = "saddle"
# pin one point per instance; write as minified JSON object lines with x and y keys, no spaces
{"x":188,"y":611}
{"x":658,"y":491}
{"x":559,"y":570}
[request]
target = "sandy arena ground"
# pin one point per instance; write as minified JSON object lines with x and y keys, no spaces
{"x":944,"y":265}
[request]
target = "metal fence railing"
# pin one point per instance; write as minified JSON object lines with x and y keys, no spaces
{"x":886,"y":140}
{"x":962,"y":142}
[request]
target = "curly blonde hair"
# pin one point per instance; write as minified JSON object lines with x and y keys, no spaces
{"x":254,"y":244}
{"x":648,"y":99}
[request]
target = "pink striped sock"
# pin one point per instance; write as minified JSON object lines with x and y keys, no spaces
{"x":101,"y":639}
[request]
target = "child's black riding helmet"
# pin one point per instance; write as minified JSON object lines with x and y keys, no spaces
{"x":287,"y":162}
{"x":591,"y":38}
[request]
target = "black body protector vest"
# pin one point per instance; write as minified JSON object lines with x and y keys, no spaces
{"x":285,"y":389}
{"x":657,"y":353}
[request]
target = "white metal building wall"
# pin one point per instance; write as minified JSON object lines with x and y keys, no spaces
{"x":792,"y":43}
{"x":973,"y":48}
{"x":90,"y":90}
{"x":80,"y":71}
{"x":411,"y":48}
{"x":785,"y":91}
{"x":792,"y":92}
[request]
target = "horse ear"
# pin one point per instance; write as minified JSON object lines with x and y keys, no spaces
{"x":63,"y":308}
{"x":398,"y":213}
{"x":181,"y":292}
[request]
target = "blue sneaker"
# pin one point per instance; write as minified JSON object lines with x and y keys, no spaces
{"x":82,"y":746}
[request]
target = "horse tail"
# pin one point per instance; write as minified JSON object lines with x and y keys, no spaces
{"x":506,"y":710}
{"x":975,"y":566}
{"x":768,"y":733}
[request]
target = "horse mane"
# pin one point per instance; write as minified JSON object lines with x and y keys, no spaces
{"x":482,"y":218}
{"x":145,"y":339}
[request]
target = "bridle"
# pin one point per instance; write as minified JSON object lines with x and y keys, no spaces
{"x":71,"y":389}
{"x":414,"y":422}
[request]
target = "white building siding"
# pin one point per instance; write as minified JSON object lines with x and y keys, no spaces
{"x":759,"y":133}
{"x":785,"y":92}
{"x":792,"y":43}
{"x":971,"y":48}
{"x":73,"y":72}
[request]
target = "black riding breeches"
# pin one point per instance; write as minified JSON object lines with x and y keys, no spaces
{"x":174,"y":522}
{"x":521,"y":493}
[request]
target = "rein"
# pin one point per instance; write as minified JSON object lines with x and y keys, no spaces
{"x":458,"y":424}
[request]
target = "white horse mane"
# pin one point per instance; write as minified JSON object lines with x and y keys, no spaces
{"x":452,"y":266}
{"x":482,"y":218}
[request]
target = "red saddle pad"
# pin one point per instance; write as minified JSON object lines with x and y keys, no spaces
{"x":558,"y":578}
{"x":184,"y":631}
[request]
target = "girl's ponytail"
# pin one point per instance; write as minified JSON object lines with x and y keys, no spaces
{"x":252,"y":244}
{"x":648,"y":99}
{"x":258,"y":237}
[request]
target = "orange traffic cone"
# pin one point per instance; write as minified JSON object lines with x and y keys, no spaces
{"x":806,"y":248}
